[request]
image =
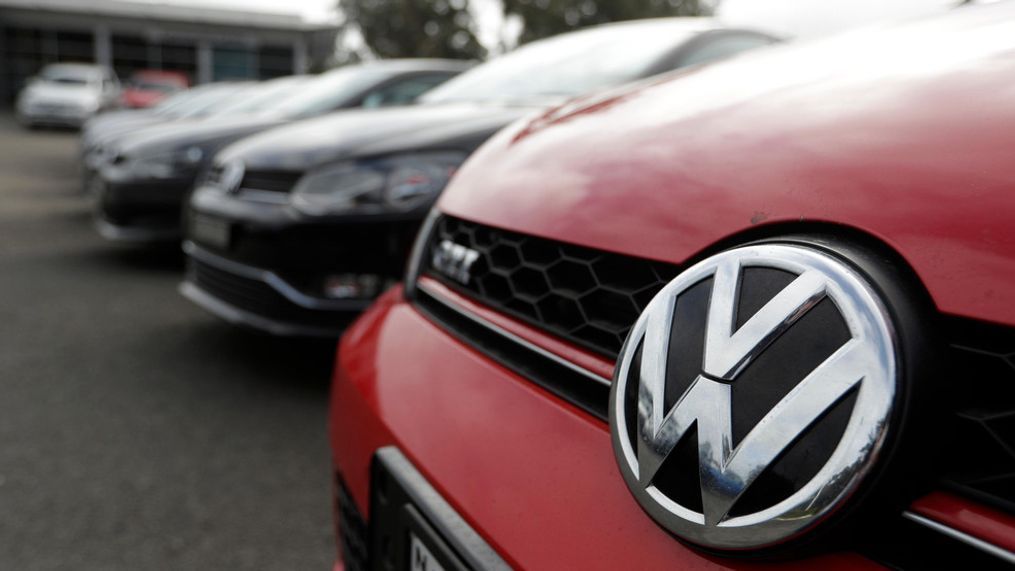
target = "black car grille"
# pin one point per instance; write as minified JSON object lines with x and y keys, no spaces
{"x":262,"y":180}
{"x":270,"y":180}
{"x":588,"y":297}
{"x":257,"y":297}
{"x":980,"y":460}
{"x":352,"y":529}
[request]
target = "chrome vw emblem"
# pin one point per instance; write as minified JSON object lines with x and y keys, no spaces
{"x":648,"y":422}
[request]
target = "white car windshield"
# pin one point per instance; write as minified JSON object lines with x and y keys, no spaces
{"x":68,"y":75}
{"x":570,"y":64}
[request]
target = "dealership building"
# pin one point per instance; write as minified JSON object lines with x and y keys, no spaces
{"x":207,"y":44}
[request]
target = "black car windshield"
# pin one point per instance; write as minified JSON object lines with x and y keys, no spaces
{"x":68,"y":75}
{"x":265,"y":96}
{"x":174,"y":102}
{"x":570,"y":64}
{"x":216,"y":99}
{"x":329,"y":91}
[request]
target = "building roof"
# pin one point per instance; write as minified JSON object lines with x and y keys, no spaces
{"x":170,"y":12}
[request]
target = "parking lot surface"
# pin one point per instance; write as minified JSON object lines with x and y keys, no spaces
{"x":136,"y":431}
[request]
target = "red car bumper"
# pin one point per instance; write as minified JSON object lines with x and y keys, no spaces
{"x":533,"y":475}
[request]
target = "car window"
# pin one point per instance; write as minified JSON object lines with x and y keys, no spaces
{"x":403,"y":92}
{"x":722,"y":46}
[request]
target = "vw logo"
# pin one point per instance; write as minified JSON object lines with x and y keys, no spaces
{"x":753,"y":395}
{"x":231,"y":177}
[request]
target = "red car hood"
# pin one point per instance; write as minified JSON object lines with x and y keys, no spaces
{"x":904,"y":133}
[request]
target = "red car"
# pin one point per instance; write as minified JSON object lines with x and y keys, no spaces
{"x":148,"y":87}
{"x":756,"y":314}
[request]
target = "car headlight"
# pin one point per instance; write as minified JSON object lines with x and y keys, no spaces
{"x":168,"y":165}
{"x":90,"y":105}
{"x":393,"y":184}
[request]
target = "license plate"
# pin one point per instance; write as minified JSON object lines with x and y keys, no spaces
{"x":210,"y":231}
{"x":420,"y":557}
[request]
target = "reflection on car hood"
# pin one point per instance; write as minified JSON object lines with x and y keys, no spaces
{"x":372,"y":132}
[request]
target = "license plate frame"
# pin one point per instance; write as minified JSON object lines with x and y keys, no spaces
{"x":403,"y":506}
{"x":427,"y":551}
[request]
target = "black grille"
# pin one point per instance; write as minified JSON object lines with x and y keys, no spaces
{"x":591,"y":298}
{"x":270,"y":181}
{"x":258,"y":297}
{"x":352,"y":529}
{"x":981,"y":459}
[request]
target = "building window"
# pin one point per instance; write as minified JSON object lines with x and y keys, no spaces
{"x":274,"y":61}
{"x":233,"y":62}
{"x":130,"y":54}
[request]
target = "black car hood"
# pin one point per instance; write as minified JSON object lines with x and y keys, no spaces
{"x":372,"y":132}
{"x":193,"y":132}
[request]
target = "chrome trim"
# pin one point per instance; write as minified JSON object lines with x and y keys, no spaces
{"x":274,"y":281}
{"x":975,"y":542}
{"x":452,"y":528}
{"x":511,"y":336}
{"x":237,"y":316}
{"x":415,"y":266}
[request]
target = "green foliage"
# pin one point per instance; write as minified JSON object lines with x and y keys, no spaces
{"x":544,"y":18}
{"x":416,"y":28}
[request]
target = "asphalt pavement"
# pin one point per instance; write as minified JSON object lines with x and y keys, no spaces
{"x":136,"y":431}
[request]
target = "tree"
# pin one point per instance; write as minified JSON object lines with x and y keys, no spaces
{"x":415,"y":28}
{"x":544,"y":18}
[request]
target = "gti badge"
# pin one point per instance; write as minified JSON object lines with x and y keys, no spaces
{"x":454,"y":260}
{"x":231,"y":177}
{"x":753,"y":395}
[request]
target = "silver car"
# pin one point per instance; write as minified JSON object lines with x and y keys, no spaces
{"x":67,"y":94}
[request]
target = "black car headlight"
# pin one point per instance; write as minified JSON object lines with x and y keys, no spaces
{"x":170,"y":164}
{"x":392,"y":184}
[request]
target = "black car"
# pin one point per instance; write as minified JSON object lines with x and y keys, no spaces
{"x":141,"y":186}
{"x":101,"y":130}
{"x":297,"y":229}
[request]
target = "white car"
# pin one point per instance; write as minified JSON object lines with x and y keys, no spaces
{"x":67,"y":94}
